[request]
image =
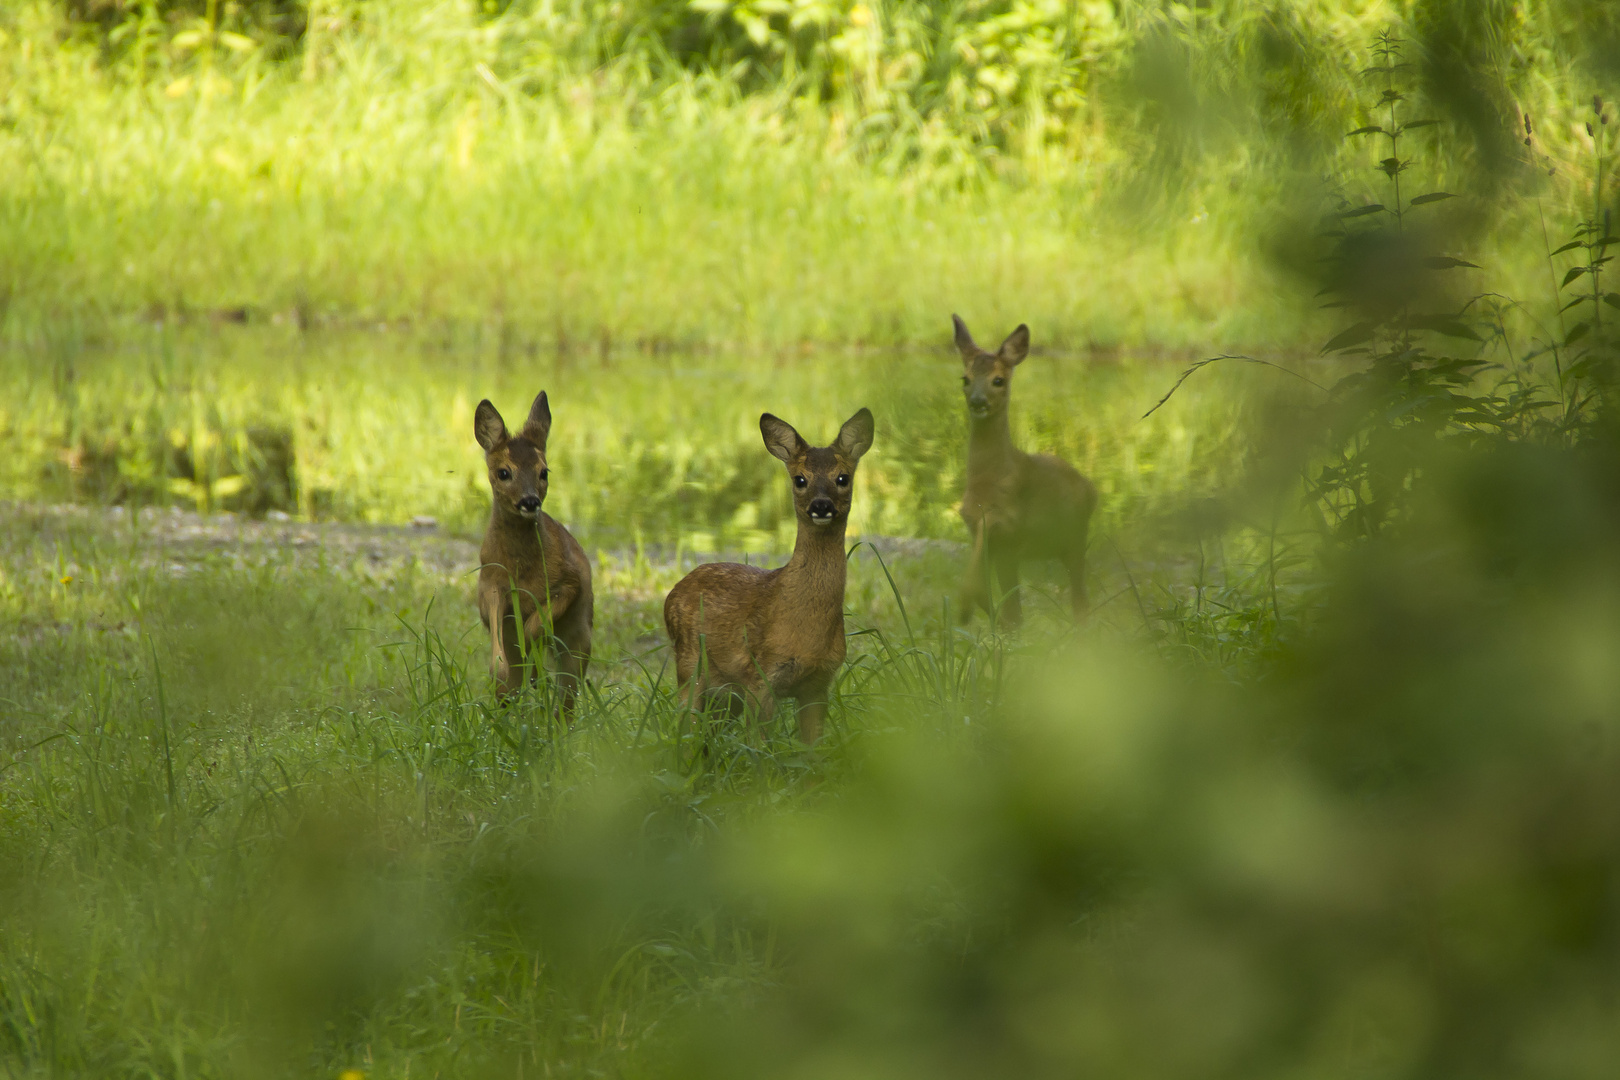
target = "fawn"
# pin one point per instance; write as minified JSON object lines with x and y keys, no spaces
{"x":1017,"y":506}
{"x":778,"y":633}
{"x":535,"y":580}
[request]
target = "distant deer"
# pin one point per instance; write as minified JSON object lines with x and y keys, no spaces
{"x":1017,"y":506}
{"x":535,"y":579}
{"x":773,"y":634}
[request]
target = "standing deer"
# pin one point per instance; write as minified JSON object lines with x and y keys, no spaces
{"x":535,"y":580}
{"x":1017,"y":506}
{"x":773,"y":634}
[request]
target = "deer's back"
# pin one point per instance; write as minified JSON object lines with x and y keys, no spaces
{"x":721,"y":605}
{"x":1039,"y":502}
{"x":715,"y":597}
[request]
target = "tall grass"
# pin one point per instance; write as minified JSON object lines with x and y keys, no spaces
{"x":564,"y":174}
{"x":269,"y":827}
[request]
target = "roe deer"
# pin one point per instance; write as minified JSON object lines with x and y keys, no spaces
{"x":1017,"y":506}
{"x":778,"y":633}
{"x":535,"y":580}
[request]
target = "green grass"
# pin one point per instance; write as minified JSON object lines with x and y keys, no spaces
{"x":271,"y":823}
{"x":404,"y":186}
{"x":438,"y":167}
{"x":285,"y":818}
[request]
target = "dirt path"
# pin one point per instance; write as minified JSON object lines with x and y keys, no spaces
{"x":180,"y":539}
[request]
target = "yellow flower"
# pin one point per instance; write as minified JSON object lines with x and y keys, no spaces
{"x":860,"y":15}
{"x":68,"y":580}
{"x":351,"y":1074}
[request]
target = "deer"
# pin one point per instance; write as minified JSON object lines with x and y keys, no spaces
{"x":1016,"y":506}
{"x":755,"y":635}
{"x":534,"y":581}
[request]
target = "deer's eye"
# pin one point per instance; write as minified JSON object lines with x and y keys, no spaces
{"x":966,"y":381}
{"x":843,"y":480}
{"x":544,"y":473}
{"x":504,"y":474}
{"x":997,"y":381}
{"x":800,"y":482}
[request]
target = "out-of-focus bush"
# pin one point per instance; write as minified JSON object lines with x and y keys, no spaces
{"x":1398,"y":857}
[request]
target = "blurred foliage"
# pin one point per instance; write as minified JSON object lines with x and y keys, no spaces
{"x":1395,"y":858}
{"x":1388,"y":267}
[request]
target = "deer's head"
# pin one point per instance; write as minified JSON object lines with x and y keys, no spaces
{"x":987,"y":376}
{"x":518,"y":475}
{"x":823,"y":477}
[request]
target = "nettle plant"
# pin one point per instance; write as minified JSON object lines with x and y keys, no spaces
{"x":1589,"y":360}
{"x":1387,"y":264}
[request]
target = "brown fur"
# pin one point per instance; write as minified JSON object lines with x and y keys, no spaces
{"x":770,"y":634}
{"x":1017,"y":506}
{"x":524,"y":547}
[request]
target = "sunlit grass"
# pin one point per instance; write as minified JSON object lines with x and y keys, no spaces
{"x":402,"y":184}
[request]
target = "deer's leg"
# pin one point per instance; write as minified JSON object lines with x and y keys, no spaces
{"x":764,"y":711}
{"x":493,"y":610}
{"x":689,"y":671}
{"x":570,"y":648}
{"x":1011,"y":606}
{"x":519,"y":660}
{"x":1076,"y":562}
{"x":812,"y":712}
{"x":976,"y":584}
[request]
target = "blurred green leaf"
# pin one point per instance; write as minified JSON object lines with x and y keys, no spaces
{"x":1443,"y":324}
{"x":1354,"y":335}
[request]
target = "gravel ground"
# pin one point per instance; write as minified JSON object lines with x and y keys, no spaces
{"x":183,"y":538}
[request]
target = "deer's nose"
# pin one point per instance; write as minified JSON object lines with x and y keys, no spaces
{"x":529,"y":503}
{"x":821,"y":509}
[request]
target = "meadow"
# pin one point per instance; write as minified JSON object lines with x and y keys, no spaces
{"x":1325,"y":786}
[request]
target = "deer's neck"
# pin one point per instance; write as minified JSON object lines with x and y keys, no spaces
{"x":813,"y":579}
{"x":518,"y":534}
{"x":990,"y":448}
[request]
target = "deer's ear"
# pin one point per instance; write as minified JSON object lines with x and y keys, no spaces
{"x":538,"y":425}
{"x":964,"y":340}
{"x":855,"y":437}
{"x":1015,"y":348}
{"x":488,"y":426}
{"x":780,"y":438}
